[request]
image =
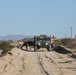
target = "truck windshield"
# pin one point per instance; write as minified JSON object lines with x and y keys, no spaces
{"x":43,"y":39}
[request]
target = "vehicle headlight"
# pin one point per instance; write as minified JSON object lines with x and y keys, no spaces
{"x":46,"y":43}
{"x":39,"y":43}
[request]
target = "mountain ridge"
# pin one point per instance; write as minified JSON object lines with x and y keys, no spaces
{"x":14,"y":37}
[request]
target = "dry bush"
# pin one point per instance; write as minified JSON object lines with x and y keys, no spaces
{"x":69,"y":43}
{"x":5,"y":46}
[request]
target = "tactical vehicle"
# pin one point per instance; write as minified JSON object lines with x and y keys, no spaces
{"x":43,"y":41}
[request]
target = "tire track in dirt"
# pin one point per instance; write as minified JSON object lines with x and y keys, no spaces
{"x":62,"y":62}
{"x":37,"y":63}
{"x":48,"y":64}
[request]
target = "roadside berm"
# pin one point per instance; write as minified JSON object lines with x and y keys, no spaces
{"x":42,"y":62}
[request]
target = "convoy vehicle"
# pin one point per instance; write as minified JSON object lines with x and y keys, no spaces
{"x":42,"y":41}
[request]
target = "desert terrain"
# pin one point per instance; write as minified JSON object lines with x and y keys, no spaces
{"x":42,"y":62}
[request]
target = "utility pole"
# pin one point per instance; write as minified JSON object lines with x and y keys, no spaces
{"x":71,"y":32}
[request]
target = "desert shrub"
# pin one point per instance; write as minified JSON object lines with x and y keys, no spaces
{"x":65,"y":41}
{"x":19,"y":46}
{"x":70,"y":43}
{"x":10,"y":41}
{"x":5,"y":46}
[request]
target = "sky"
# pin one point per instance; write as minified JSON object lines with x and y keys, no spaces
{"x":36,"y":17}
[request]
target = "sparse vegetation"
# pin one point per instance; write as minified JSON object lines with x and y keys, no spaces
{"x":5,"y":46}
{"x":69,"y":43}
{"x":19,"y":45}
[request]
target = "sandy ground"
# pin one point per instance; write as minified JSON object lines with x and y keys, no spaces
{"x":42,"y":62}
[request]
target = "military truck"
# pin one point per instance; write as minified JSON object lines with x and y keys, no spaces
{"x":42,"y":41}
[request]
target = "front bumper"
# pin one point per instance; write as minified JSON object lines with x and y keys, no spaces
{"x":43,"y":45}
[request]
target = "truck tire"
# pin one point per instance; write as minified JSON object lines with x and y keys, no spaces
{"x":35,"y":48}
{"x":49,"y":48}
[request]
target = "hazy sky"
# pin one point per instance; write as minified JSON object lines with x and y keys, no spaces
{"x":35,"y":17}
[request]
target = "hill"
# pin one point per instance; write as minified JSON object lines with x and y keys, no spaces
{"x":13,"y":37}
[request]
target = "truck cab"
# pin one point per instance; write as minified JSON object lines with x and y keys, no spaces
{"x":42,"y":41}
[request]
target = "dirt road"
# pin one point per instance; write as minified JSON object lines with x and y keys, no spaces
{"x":21,"y":62}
